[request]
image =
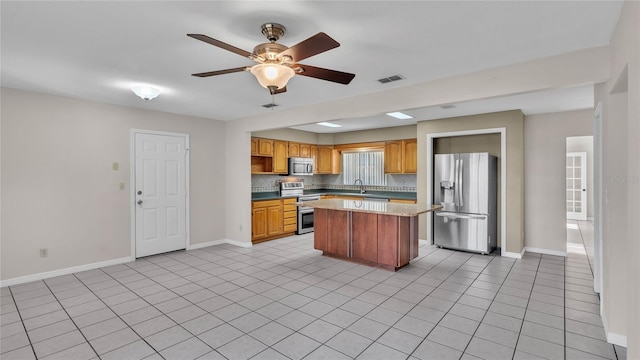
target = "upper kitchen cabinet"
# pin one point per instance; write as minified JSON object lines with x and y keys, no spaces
{"x":393,"y":157}
{"x":265,"y":147}
{"x":254,"y":146}
{"x":410,"y":156}
{"x":280,"y":155}
{"x":269,"y":156}
{"x":294,"y":149}
{"x":305,"y":150}
{"x":313,"y":151}
{"x":328,"y":161}
{"x":299,"y":150}
{"x":400,"y":157}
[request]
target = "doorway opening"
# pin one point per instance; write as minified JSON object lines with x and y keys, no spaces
{"x":579,"y":196}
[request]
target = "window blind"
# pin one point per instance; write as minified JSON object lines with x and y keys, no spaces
{"x":367,"y":166}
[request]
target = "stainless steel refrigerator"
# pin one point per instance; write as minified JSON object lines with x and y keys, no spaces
{"x":466,"y":187}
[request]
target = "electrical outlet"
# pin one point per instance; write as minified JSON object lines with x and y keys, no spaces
{"x":122,"y":185}
{"x":44,"y":253}
{"x":115,"y":166}
{"x":240,"y":227}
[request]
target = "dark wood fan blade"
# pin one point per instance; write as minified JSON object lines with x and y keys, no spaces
{"x":325,"y":74}
{"x":220,"y":44}
{"x":314,"y":45}
{"x":220,"y":72}
{"x":278,"y":91}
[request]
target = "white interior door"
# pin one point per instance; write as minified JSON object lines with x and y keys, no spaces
{"x":577,"y":186}
{"x":160,"y":193}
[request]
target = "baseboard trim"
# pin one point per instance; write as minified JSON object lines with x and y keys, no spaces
{"x":219,"y":242}
{"x":239,"y":243}
{"x":205,"y":244}
{"x":612,"y":337}
{"x":513,"y":255}
{"x":545,"y":251}
{"x":65,"y":271}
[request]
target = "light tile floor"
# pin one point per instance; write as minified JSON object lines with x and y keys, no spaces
{"x":283,"y":300}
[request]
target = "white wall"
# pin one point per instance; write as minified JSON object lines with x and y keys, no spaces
{"x":544,"y":172}
{"x":620,"y":97}
{"x":585,"y":144}
{"x":59,"y":190}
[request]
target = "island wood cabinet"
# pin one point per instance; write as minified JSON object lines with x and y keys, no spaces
{"x":383,"y":240}
{"x":401,"y":156}
{"x":271,"y":219}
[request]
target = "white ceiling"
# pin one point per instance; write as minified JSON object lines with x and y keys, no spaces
{"x":556,"y":100}
{"x":98,"y":50}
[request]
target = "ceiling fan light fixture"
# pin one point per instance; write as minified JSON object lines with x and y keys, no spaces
{"x":146,"y":92}
{"x":270,"y":75}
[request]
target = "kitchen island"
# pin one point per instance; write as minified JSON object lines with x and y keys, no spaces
{"x":374,"y":233}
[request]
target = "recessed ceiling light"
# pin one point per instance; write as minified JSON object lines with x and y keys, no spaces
{"x":328,"y":124}
{"x":146,"y":92}
{"x":399,"y":115}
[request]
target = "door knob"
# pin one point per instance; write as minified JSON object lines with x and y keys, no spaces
{"x":139,"y":192}
{"x":139,"y":202}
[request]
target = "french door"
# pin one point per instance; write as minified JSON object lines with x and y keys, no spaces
{"x":576,"y":186}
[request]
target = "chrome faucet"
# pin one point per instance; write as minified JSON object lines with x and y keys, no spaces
{"x":361,"y":185}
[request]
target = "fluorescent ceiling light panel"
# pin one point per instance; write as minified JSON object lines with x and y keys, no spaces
{"x":399,"y":115}
{"x":328,"y":124}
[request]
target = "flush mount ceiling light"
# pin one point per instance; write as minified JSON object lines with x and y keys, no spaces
{"x":328,"y":124}
{"x":146,"y":92}
{"x":399,"y":115}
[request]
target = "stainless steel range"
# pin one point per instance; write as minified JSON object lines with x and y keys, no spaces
{"x":305,"y":214}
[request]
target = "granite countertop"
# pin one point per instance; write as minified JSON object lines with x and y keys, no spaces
{"x":375,"y":207}
{"x":374,"y":194}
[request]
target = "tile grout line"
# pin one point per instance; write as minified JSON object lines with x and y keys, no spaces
{"x":70,"y":318}
{"x":118,"y":316}
{"x":487,"y":311}
{"x":23,"y":326}
{"x":515,"y":349}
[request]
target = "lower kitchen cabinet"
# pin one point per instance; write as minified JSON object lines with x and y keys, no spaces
{"x":266,"y":219}
{"x":290,"y":216}
{"x":272,"y":219}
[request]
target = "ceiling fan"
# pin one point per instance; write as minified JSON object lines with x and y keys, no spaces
{"x":276,"y":63}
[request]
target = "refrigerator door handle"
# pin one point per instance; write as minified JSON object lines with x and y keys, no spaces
{"x":456,"y":184}
{"x":460,"y":189}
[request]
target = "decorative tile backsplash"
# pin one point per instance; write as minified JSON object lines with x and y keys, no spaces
{"x":270,"y":183}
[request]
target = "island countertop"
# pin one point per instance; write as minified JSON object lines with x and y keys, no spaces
{"x":373,"y":207}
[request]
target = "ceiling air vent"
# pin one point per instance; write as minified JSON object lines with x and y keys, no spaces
{"x":269,"y":105}
{"x":447,"y":106}
{"x":390,"y":79}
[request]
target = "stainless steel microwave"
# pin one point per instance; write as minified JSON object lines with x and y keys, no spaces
{"x":300,"y":166}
